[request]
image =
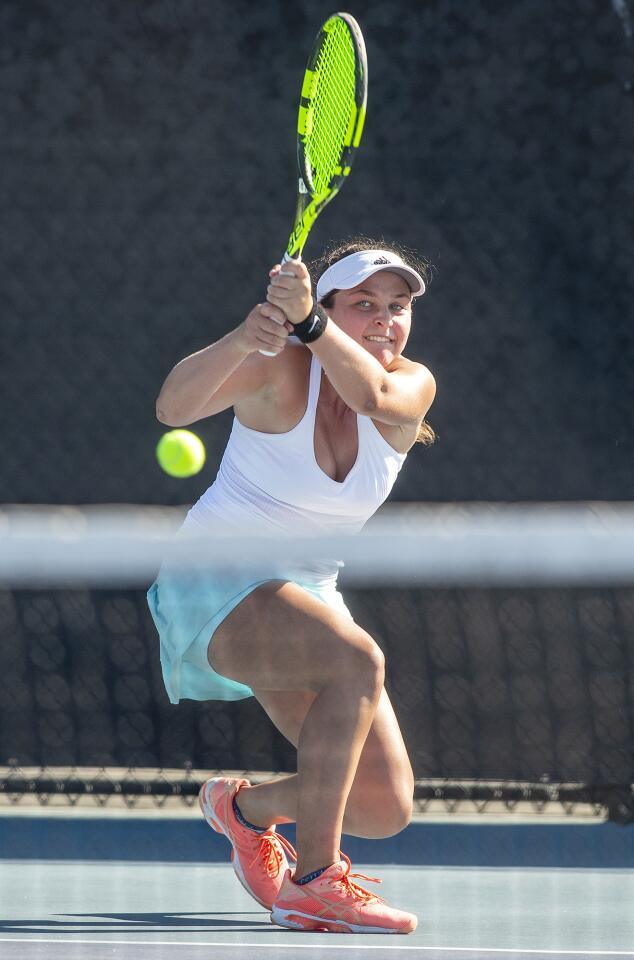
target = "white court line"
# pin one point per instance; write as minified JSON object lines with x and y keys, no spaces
{"x":334,"y":946}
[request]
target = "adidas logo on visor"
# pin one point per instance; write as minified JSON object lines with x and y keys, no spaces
{"x":381,"y":260}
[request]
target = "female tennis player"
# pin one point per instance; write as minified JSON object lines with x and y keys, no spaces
{"x":321,"y":430}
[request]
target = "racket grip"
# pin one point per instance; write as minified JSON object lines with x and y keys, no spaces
{"x":285,"y":259}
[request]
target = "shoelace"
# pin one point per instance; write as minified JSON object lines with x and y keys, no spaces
{"x":353,"y":888}
{"x":269,"y":853}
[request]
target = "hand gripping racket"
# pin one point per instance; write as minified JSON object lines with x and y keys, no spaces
{"x":330,"y":122}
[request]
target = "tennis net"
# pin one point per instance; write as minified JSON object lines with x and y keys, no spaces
{"x":508,"y":633}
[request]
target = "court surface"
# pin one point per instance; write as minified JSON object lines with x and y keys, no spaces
{"x":114,"y":906}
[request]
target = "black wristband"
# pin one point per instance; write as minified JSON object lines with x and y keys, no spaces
{"x":313,"y":326}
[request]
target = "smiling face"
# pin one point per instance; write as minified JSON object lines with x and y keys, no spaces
{"x":377,"y":314}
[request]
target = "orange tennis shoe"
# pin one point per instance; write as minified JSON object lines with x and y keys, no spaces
{"x":333,"y":903}
{"x":259,"y":858}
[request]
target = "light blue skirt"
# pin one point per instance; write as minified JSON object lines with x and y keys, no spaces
{"x":187,"y":609}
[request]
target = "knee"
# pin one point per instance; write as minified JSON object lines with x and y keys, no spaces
{"x":364,"y":665}
{"x":400,"y":808}
{"x":383,"y":815}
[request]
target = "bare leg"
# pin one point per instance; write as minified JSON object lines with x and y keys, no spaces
{"x":380,"y":801}
{"x":282,"y":638}
{"x":328,"y":752}
{"x":274,"y":801}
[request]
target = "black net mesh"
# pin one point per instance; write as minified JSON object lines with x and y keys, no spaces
{"x":520,"y":686}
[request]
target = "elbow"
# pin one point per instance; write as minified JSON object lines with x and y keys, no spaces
{"x":161,"y":415}
{"x":167,"y":418}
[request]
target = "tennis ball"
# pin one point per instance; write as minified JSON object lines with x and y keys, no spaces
{"x":180,"y":453}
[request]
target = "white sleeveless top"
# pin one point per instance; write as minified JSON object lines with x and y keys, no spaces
{"x":271,"y":483}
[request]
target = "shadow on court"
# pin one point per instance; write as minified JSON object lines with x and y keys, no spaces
{"x":148,"y":922}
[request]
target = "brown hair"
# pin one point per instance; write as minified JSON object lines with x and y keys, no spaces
{"x":340,"y":249}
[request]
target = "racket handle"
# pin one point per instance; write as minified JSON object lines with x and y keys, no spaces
{"x":285,"y":259}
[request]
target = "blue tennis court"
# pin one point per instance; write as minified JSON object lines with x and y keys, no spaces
{"x":132,"y":887}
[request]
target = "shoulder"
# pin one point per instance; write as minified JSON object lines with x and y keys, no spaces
{"x":415,"y":373}
{"x":408,"y":392}
{"x":292,"y":365}
{"x":281,"y":403}
{"x":401,"y":363}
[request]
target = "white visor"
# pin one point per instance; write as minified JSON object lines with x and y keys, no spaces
{"x":352,"y":270}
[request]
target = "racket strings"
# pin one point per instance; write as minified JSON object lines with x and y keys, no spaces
{"x":332,"y":107}
{"x":334,"y":102}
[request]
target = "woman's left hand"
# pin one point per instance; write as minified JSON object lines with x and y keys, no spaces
{"x":290,"y":290}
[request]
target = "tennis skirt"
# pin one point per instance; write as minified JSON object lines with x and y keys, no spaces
{"x":187,"y":610}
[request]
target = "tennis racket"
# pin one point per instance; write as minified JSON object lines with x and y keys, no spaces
{"x":329,"y":124}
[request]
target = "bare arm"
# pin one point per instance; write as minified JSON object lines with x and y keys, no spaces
{"x":224,"y":372}
{"x":399,"y":395}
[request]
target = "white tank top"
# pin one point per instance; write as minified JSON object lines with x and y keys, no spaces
{"x":271,"y":483}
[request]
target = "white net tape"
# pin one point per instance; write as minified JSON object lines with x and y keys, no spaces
{"x":452,"y":544}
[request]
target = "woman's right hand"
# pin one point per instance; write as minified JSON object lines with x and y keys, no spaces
{"x":265,"y":328}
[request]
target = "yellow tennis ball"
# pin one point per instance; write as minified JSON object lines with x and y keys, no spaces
{"x":181,"y":453}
